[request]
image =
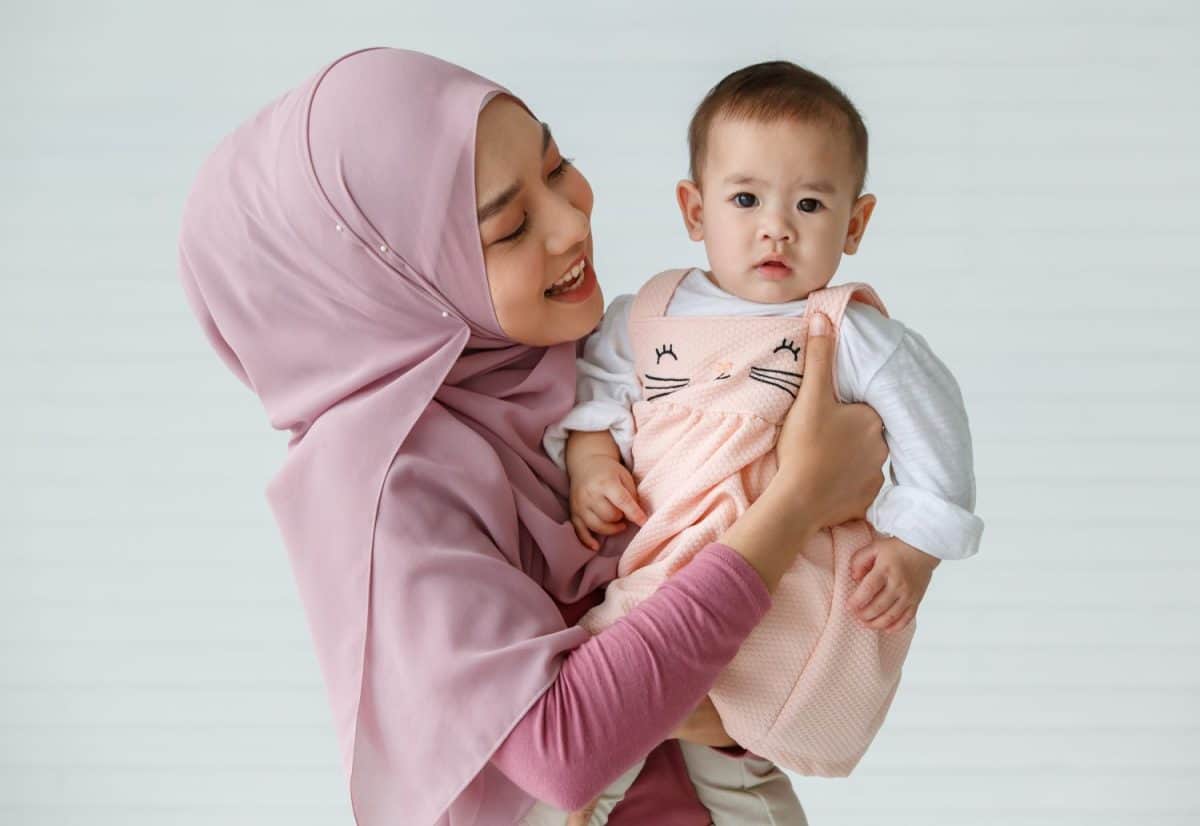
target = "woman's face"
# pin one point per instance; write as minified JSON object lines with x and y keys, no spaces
{"x":535,"y":225}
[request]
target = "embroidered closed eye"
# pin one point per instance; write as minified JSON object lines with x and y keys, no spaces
{"x":659,"y":386}
{"x":785,"y":380}
{"x":665,"y":350}
{"x":791,"y":347}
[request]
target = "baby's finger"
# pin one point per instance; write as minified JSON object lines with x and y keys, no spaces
{"x":862,"y":561}
{"x":893,"y":613}
{"x":609,"y":528}
{"x":584,"y":534}
{"x":624,"y":500}
{"x":603,"y":509}
{"x":866,"y":591}
{"x":597,"y":524}
{"x":902,"y":623}
{"x":884,"y":600}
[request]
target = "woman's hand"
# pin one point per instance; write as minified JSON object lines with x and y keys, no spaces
{"x":830,"y":468}
{"x":704,"y":726}
{"x":831,"y":454}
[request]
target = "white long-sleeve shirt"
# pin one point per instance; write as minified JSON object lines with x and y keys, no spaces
{"x":930,"y":502}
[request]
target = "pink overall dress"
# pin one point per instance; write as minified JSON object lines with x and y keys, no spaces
{"x":810,"y":687}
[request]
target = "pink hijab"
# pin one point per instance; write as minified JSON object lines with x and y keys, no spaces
{"x":331,"y":252}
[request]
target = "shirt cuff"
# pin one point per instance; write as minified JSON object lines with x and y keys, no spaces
{"x":927,"y":522}
{"x":591,"y":417}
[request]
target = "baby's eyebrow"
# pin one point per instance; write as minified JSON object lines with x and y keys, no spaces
{"x":504,"y":198}
{"x":817,"y":186}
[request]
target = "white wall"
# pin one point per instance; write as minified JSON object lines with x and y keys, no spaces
{"x":1035,"y":164}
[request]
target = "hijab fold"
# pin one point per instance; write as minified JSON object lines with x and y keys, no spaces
{"x":331,"y":253}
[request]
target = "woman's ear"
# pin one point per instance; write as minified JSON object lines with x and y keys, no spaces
{"x":860,"y":215}
{"x":691,"y":206}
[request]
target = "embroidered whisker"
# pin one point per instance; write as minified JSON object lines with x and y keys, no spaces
{"x":660,"y":395}
{"x":790,"y":382}
{"x":781,"y":372}
{"x":791,"y":391}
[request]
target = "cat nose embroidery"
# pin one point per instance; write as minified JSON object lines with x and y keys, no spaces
{"x":723,"y":370}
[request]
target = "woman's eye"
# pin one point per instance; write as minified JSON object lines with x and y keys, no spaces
{"x":517,"y":233}
{"x":745,"y":200}
{"x":560,"y":170}
{"x":809,"y":205}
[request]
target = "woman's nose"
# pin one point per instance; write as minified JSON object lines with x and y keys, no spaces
{"x":571,"y":226}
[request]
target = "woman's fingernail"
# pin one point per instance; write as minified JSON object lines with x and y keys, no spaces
{"x":819,"y":325}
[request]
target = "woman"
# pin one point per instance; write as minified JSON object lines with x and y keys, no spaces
{"x":372,"y":255}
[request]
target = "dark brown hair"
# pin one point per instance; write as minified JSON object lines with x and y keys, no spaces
{"x":769,"y":92}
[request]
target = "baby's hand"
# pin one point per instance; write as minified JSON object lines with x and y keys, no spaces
{"x":892,"y":577}
{"x":581,"y":817}
{"x":603,"y":496}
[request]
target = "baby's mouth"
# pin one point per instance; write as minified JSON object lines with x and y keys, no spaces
{"x":773,"y":269}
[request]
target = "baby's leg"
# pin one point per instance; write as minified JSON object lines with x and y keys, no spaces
{"x":742,"y":791}
{"x":543,"y":814}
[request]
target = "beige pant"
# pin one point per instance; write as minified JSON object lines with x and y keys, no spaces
{"x":737,"y":791}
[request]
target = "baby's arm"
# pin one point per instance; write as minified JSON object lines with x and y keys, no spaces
{"x":592,"y":443}
{"x":926,"y":515}
{"x":603,"y":493}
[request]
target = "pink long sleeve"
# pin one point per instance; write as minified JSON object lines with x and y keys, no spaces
{"x":622,"y":692}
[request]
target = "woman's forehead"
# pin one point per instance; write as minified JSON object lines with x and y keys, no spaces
{"x":508,"y":143}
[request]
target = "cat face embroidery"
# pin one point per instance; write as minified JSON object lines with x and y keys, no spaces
{"x":658,"y":386}
{"x":784,"y":372}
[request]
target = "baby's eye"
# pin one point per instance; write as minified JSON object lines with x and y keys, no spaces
{"x":809,"y":205}
{"x":745,"y":200}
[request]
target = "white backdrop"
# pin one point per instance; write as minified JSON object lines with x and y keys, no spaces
{"x":1036,"y":173}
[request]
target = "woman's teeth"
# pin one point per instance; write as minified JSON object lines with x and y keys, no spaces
{"x":569,"y":281}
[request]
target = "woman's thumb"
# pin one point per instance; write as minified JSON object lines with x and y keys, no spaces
{"x":817,"y":386}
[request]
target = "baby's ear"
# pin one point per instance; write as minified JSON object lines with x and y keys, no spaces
{"x":691,"y":206}
{"x":860,"y":216}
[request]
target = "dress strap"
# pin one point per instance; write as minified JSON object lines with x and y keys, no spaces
{"x":832,"y":302}
{"x":653,"y":298}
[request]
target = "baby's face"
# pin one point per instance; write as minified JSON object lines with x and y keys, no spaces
{"x":777,"y":207}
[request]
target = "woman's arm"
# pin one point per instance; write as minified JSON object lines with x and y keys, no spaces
{"x":622,"y":692}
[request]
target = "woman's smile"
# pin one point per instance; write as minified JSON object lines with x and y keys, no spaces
{"x":577,"y":285}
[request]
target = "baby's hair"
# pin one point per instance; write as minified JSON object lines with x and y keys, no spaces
{"x":774,"y":91}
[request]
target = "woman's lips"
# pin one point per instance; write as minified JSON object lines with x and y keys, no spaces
{"x":580,"y":292}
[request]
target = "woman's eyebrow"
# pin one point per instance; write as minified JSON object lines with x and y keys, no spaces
{"x":502,"y":200}
{"x":498,"y":203}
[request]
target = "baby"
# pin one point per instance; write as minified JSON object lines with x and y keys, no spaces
{"x":681,"y":393}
